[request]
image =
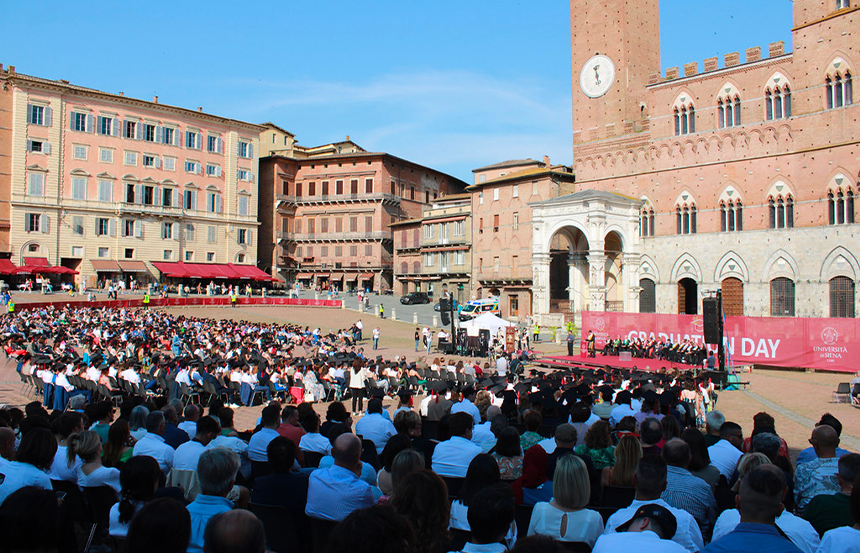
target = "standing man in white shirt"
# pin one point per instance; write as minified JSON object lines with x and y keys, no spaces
{"x":726,"y":453}
{"x":359,"y":326}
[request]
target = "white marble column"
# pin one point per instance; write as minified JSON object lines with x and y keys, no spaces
{"x":596,"y":280}
{"x":540,"y":283}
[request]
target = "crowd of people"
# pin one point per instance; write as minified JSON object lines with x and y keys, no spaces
{"x":571,"y":460}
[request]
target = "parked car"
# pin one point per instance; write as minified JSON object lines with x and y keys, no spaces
{"x":415,"y":297}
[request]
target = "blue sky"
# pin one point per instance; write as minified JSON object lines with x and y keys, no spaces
{"x":449,"y":84}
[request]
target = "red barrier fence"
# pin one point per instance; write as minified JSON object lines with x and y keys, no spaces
{"x":826,"y":344}
{"x":181,"y":302}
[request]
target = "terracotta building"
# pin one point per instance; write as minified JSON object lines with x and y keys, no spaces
{"x":433,"y":253}
{"x":502,"y":195}
{"x":330,"y":209}
{"x":738,"y":174}
{"x":109,"y":186}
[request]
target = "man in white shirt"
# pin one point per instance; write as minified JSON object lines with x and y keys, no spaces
{"x":188,"y":454}
{"x":374,"y":426}
{"x":359,"y":326}
{"x":131,"y":375}
{"x":257,"y":446}
{"x":313,"y":440}
{"x":452,"y":457}
{"x":650,"y":529}
{"x":650,"y":480}
{"x":726,"y":453}
{"x":622,"y":408}
{"x":482,"y":434}
{"x":152,"y":444}
{"x":189,"y":425}
{"x":466,"y":405}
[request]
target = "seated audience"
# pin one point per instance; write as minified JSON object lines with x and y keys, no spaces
{"x":491,"y":513}
{"x":685,"y":491}
{"x":726,"y":453}
{"x":809,"y":454}
{"x":818,"y":476}
{"x":598,"y":445}
{"x":282,"y":487}
{"x":508,"y":454}
{"x":650,"y":479}
{"x":845,"y":539}
{"x":759,"y":503}
{"x":376,"y":529}
{"x":422,"y":498}
{"x":374,"y":426}
{"x":92,"y":473}
{"x":33,"y":459}
{"x":30,"y":520}
{"x":153,"y":444}
{"x":627,"y":455}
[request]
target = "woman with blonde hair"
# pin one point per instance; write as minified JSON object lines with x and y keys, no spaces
{"x":92,"y":473}
{"x":565,"y":518}
{"x":627,"y":455}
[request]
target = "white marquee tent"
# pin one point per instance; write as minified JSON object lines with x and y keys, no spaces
{"x":487,"y":321}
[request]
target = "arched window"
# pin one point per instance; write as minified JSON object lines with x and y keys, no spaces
{"x":646,"y":225}
{"x":839,"y":90}
{"x":786,"y":101}
{"x":782,"y":297}
{"x":768,"y":105}
{"x":685,"y":219}
{"x":780,"y":212}
{"x":739,"y":216}
{"x":729,"y":111}
{"x":723,"y":218}
{"x":721,"y":114}
{"x":737,"y":111}
{"x":841,"y":297}
{"x":684,"y":116}
{"x":840,"y":207}
{"x":731,"y":216}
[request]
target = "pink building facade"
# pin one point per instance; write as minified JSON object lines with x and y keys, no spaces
{"x":106,"y":184}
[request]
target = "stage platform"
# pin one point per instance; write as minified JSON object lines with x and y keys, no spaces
{"x":614,"y":361}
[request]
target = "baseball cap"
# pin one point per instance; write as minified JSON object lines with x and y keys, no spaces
{"x":659,"y":514}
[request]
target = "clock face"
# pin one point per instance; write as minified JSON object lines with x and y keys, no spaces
{"x":597,"y":76}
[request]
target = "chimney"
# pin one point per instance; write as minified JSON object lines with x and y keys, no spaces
{"x":1,"y":67}
{"x":546,"y":161}
{"x":11,"y":69}
{"x":347,"y":138}
{"x":155,"y":99}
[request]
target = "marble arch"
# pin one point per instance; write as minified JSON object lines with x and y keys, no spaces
{"x":586,"y":219}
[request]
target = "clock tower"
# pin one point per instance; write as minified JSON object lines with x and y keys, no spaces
{"x":615,"y":47}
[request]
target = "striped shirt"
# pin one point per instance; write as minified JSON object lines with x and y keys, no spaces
{"x":692,"y":494}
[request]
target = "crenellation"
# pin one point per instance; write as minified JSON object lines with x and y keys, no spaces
{"x":775,"y":49}
{"x":753,"y":54}
{"x":691,"y":69}
{"x":731,"y":59}
{"x":711,"y":64}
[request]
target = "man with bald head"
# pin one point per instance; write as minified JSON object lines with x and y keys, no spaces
{"x":818,"y":476}
{"x":685,"y":491}
{"x":337,"y":491}
{"x":237,"y":531}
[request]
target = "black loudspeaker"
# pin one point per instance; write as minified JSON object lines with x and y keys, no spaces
{"x":711,"y":316}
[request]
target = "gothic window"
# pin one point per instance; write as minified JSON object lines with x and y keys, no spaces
{"x":647,"y":296}
{"x":728,"y":112}
{"x":839,"y":90}
{"x":646,"y":222}
{"x":840,"y":207}
{"x":780,"y":212}
{"x":841,"y":297}
{"x":731,"y":216}
{"x":782,"y":297}
{"x":684,"y":119}
{"x":685,"y":219}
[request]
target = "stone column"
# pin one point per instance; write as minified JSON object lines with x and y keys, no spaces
{"x":540,"y":283}
{"x":630,"y":263}
{"x":596,"y":280}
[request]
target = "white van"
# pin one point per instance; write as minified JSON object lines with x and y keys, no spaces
{"x":478,"y":307}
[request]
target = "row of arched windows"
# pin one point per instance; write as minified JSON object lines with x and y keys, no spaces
{"x":782,"y":297}
{"x":840,"y":211}
{"x":839,"y":92}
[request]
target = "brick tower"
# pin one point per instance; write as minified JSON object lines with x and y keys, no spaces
{"x":609,"y":98}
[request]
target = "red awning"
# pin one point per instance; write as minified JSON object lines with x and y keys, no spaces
{"x":170,"y":269}
{"x":7,"y":267}
{"x":304,"y":276}
{"x":36,"y":262}
{"x":366,"y":276}
{"x":40,"y":265}
{"x":336,"y":276}
{"x":350,"y":277}
{"x":251,"y":272}
{"x":130,"y":266}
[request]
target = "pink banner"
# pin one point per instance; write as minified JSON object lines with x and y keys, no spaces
{"x":180,"y":302}
{"x":825,"y":344}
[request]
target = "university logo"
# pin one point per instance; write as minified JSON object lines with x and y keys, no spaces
{"x":829,"y":336}
{"x":600,"y":324}
{"x":698,"y":324}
